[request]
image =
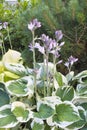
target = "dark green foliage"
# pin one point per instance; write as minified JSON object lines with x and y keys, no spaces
{"x":67,"y":15}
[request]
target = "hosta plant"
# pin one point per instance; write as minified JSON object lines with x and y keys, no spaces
{"x":41,"y":98}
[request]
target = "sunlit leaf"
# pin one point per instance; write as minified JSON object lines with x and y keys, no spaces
{"x":12,"y":56}
{"x":20,"y":111}
{"x":21,"y":87}
{"x":65,"y":93}
{"x":37,"y":124}
{"x":44,"y":111}
{"x":67,"y":112}
{"x":7,"y":119}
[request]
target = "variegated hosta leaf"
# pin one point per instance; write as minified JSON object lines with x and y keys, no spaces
{"x":51,"y":101}
{"x":1,"y":67}
{"x":78,"y":124}
{"x":21,"y":87}
{"x":81,"y":77}
{"x":7,"y":119}
{"x":18,"y":69}
{"x":4,"y":97}
{"x":81,"y":89}
{"x":2,"y":77}
{"x":61,"y":79}
{"x":37,"y":124}
{"x":42,"y":70}
{"x":66,"y":113}
{"x":12,"y":56}
{"x":44,"y":111}
{"x":79,"y":100}
{"x":65,"y":93}
{"x":70,"y":75}
{"x":20,"y":111}
{"x":8,"y":76}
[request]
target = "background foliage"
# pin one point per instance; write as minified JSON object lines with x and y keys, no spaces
{"x":67,"y":15}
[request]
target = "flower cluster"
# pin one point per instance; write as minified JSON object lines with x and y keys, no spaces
{"x":70,"y":62}
{"x":34,"y":25}
{"x":3,"y":25}
{"x":50,"y":45}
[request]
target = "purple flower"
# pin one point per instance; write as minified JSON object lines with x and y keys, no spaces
{"x":49,"y":43}
{"x":58,"y":35}
{"x":34,"y":25}
{"x":40,"y":48}
{"x":5,"y":24}
{"x":71,"y":61}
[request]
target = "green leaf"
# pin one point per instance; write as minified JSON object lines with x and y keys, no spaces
{"x":17,"y":69}
{"x":20,"y":111}
{"x":17,"y":87}
{"x":44,"y":112}
{"x":70,"y":75}
{"x":4,"y":97}
{"x":81,"y":89}
{"x":65,"y":93}
{"x":67,"y":112}
{"x":81,"y":77}
{"x":61,"y":79}
{"x":37,"y":124}
{"x":7,"y":119}
{"x":78,"y":124}
{"x":42,"y":70}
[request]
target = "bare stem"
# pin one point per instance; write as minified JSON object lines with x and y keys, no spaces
{"x":54,"y":62}
{"x":34,"y":63}
{"x":47,"y":72}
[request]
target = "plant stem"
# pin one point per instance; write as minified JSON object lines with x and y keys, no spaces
{"x":47,"y":73}
{"x":9,"y":38}
{"x":44,"y":76}
{"x":54,"y":62}
{"x":34,"y":64}
{"x":3,"y":46}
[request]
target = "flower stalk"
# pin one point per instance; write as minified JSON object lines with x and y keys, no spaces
{"x":34,"y":63}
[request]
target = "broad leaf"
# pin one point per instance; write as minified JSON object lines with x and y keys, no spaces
{"x":1,"y":67}
{"x":12,"y":56}
{"x":61,"y":79}
{"x":81,"y":89}
{"x":7,"y":119}
{"x":78,"y":124}
{"x":20,"y":87}
{"x":65,"y":93}
{"x":9,"y":76}
{"x":4,"y":97}
{"x":66,"y":112}
{"x":20,"y":111}
{"x":44,"y":111}
{"x":42,"y":70}
{"x":81,"y":77}
{"x":70,"y":75}
{"x":79,"y":100}
{"x":37,"y":124}
{"x":18,"y":69}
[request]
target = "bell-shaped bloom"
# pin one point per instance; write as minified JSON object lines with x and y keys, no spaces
{"x":34,"y":25}
{"x":5,"y":24}
{"x":49,"y":43}
{"x":71,"y":61}
{"x":58,"y":35}
{"x":40,"y":48}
